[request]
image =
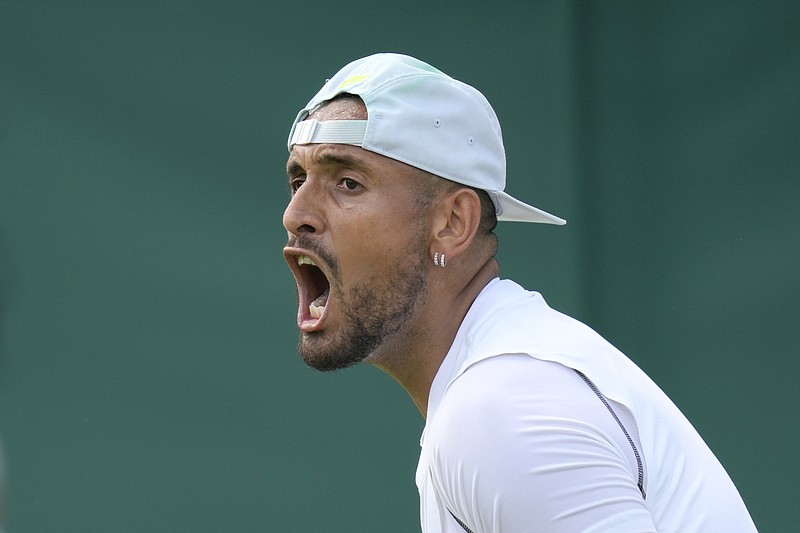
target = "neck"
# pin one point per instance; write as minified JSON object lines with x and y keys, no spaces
{"x":414,"y":361}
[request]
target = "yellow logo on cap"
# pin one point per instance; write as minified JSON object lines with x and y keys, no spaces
{"x":352,"y":80}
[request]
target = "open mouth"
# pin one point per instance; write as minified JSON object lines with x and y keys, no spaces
{"x":315,"y":284}
{"x":313,"y":289}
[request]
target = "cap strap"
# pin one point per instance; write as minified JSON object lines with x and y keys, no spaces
{"x":329,"y":131}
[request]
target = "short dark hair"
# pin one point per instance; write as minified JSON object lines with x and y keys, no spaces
{"x":488,"y":212}
{"x":430,"y":184}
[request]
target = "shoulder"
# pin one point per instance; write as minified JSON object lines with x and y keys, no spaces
{"x":498,"y":399}
{"x":508,"y":419}
{"x":518,"y":440}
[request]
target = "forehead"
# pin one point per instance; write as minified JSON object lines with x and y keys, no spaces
{"x":343,"y":108}
{"x":303,"y":158}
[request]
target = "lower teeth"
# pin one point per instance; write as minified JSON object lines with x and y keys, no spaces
{"x":316,"y":310}
{"x":317,"y":307}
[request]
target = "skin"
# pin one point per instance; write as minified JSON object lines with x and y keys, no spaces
{"x":361,"y":218}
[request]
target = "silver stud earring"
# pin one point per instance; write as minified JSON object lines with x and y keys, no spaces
{"x":436,"y":258}
{"x":442,"y":262}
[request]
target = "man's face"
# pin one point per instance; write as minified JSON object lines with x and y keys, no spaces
{"x":357,"y":247}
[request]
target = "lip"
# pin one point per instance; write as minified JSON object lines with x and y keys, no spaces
{"x":309,"y":287}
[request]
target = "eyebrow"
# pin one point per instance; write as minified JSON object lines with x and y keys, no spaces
{"x":328,"y":158}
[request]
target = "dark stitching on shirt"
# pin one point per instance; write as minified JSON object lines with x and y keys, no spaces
{"x":460,"y":523}
{"x":603,"y":399}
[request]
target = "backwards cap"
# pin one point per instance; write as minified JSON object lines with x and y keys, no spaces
{"x":420,"y":116}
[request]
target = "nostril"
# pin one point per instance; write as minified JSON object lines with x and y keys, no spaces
{"x":305,"y":228}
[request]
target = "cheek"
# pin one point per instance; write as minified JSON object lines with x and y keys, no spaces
{"x":371,"y":250}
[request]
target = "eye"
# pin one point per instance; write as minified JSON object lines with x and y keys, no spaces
{"x":350,"y":184}
{"x":296,"y":183}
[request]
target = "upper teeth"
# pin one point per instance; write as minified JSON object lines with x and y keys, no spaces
{"x":305,"y":260}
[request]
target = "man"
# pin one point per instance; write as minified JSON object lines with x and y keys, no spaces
{"x":533,"y":421}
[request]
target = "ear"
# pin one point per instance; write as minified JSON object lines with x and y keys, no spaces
{"x":456,"y":222}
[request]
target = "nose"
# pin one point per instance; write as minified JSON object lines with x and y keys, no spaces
{"x":302,"y":215}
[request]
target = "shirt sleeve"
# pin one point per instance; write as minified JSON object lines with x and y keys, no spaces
{"x":523,"y":445}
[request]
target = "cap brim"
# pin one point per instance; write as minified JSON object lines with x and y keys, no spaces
{"x":512,"y":210}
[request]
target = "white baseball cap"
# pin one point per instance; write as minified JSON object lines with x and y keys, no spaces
{"x":420,"y":116}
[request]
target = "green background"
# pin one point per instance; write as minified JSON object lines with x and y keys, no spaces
{"x":148,"y":374}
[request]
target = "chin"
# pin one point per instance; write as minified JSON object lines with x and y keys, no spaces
{"x":332,"y":357}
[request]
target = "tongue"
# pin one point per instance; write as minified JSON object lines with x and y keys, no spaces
{"x":317,"y":307}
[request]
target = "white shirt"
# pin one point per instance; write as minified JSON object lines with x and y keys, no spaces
{"x":517,"y":441}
